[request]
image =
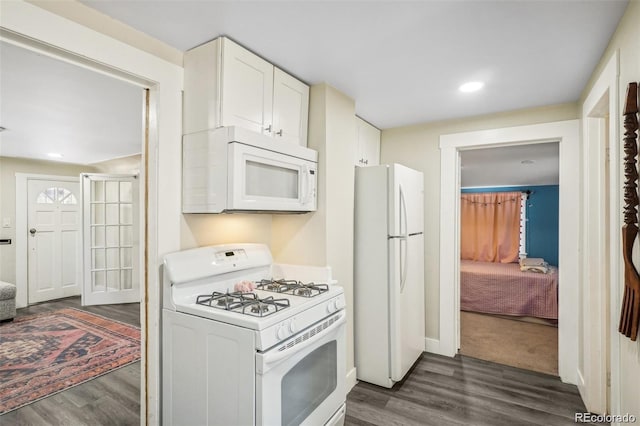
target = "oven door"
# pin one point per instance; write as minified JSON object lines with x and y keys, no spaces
{"x":261,"y":179}
{"x":302,"y":380}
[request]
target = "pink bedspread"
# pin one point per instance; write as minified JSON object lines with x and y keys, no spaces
{"x":501,"y":288}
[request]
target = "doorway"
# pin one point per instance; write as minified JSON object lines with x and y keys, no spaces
{"x":567,"y":134}
{"x":59,"y":202}
{"x":509,"y":212}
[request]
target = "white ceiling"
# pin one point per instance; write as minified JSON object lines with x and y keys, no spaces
{"x":504,"y":167}
{"x":51,"y":106}
{"x":401,"y":61}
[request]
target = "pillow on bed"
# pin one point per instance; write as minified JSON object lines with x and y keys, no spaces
{"x":534,"y":264}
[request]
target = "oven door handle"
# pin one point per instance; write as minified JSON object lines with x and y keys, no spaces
{"x":269,"y":358}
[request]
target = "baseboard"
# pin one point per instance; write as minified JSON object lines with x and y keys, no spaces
{"x":351,"y":379}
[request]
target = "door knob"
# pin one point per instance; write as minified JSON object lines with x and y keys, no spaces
{"x":32,"y":231}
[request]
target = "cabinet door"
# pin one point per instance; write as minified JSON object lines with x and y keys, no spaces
{"x":368,"y":152}
{"x":290,"y":108}
{"x":247,"y":89}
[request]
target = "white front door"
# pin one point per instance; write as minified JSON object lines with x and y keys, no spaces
{"x":111,"y":242}
{"x":53,"y":224}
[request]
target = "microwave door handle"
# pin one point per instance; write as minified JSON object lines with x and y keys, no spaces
{"x":306,"y":196}
{"x":273,"y":358}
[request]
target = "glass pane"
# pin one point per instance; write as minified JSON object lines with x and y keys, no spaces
{"x":112,"y":258}
{"x":126,"y":195}
{"x":261,"y":181}
{"x":97,"y":213}
{"x":125,"y":279}
{"x":97,"y":236}
{"x":126,"y":214}
{"x":126,"y":235}
{"x":99,"y":281}
{"x":126,"y":258}
{"x":97,"y":190}
{"x":113,"y":239}
{"x":308,"y":383}
{"x":97,"y":259}
{"x":62,"y":193}
{"x":112,"y":214}
{"x":51,"y":193}
{"x":43,"y":198}
{"x":113,"y":280}
{"x":112,"y":191}
{"x":70,"y":199}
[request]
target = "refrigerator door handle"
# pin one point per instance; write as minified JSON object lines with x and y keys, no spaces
{"x":403,"y":259}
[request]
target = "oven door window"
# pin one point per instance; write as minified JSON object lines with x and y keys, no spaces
{"x":309,"y":383}
{"x":266,"y":180}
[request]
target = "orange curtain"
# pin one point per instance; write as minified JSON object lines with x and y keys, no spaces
{"x":490,"y":226}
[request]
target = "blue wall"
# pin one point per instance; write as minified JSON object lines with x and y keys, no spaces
{"x":542,"y":215}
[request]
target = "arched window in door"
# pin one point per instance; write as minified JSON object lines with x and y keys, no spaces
{"x":54,"y":194}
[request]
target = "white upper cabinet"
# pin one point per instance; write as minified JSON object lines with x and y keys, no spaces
{"x":247,"y":89}
{"x":227,"y":85}
{"x":368,"y":137}
{"x":290,"y":108}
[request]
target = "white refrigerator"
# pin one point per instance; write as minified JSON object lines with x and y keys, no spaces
{"x":389,"y":272}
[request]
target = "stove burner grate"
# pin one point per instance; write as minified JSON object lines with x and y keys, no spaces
{"x":278,"y":286}
{"x":227,"y":301}
{"x":264,"y":307}
{"x":293,"y":287}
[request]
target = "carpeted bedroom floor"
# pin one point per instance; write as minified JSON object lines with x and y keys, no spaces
{"x":509,"y":342}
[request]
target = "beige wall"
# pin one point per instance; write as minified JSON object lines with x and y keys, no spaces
{"x":123,"y":165}
{"x":417,"y":147}
{"x":627,"y":41}
{"x":8,"y":169}
{"x":325,"y":237}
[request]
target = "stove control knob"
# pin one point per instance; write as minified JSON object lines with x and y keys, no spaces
{"x":282,"y":332}
{"x":339,"y":304}
{"x":292,"y":326}
{"x":331,"y":307}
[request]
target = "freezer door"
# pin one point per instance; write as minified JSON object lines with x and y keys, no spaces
{"x":406,"y":201}
{"x":406,"y":303}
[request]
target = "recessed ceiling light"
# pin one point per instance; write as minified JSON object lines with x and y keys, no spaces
{"x":471,"y":86}
{"x":527,"y":162}
{"x":55,"y":155}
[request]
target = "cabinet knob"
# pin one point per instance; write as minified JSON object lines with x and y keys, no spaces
{"x":268,"y":129}
{"x":366,"y":161}
{"x":32,"y":231}
{"x":279,"y":133}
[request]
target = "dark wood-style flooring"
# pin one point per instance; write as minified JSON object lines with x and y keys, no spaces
{"x":465,"y":391}
{"x":438,"y":391}
{"x":111,"y":399}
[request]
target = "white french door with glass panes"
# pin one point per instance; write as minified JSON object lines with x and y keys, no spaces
{"x":111,"y":247}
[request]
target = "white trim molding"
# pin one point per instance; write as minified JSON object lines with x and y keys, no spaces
{"x":601,"y":264}
{"x":567,"y":133}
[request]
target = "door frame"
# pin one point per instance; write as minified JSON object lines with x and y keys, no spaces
{"x":567,"y":133}
{"x":32,"y":27}
{"x":22,"y":251}
{"x":601,"y":104}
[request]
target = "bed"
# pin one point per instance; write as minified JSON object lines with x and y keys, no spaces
{"x":501,"y":288}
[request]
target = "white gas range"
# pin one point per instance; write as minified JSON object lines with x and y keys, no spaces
{"x":274,"y":355}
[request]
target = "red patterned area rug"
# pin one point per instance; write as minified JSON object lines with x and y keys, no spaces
{"x":44,"y":354}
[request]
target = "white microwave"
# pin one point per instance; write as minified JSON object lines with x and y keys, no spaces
{"x":231,"y":169}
